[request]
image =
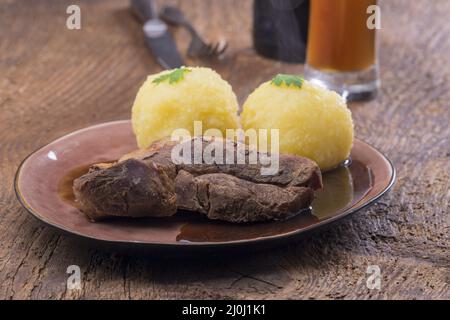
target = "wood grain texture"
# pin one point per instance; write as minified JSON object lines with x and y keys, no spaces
{"x":54,"y":81}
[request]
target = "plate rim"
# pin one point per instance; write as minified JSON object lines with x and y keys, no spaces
{"x":239,"y":242}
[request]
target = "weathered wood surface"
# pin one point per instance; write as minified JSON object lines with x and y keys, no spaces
{"x":54,"y":81}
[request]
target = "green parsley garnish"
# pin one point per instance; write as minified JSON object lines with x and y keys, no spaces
{"x":288,"y":79}
{"x":173,"y":76}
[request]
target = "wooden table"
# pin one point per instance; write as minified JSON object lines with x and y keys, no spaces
{"x":55,"y":80}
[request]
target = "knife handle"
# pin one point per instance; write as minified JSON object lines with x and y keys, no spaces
{"x":144,"y":9}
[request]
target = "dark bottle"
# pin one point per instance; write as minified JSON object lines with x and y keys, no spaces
{"x":280,"y":29}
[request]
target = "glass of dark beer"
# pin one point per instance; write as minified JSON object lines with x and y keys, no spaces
{"x":342,"y":46}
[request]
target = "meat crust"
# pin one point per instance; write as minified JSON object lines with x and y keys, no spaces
{"x":148,"y":183}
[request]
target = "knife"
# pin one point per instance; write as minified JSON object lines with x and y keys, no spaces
{"x":157,"y":34}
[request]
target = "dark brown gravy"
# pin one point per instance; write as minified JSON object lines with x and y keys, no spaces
{"x":65,"y":189}
{"x":343,"y":187}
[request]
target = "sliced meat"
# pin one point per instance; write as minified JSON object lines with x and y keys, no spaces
{"x":131,"y":189}
{"x":293,"y":170}
{"x":225,"y":197}
{"x":148,"y":183}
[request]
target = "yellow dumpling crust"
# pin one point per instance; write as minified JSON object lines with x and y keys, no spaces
{"x":313,"y":122}
{"x":201,"y":95}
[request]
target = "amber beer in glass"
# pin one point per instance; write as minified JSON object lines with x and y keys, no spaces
{"x":342,"y":50}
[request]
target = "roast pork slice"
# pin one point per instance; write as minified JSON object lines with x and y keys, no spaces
{"x":225,"y":197}
{"x":148,"y":183}
{"x":132,"y":188}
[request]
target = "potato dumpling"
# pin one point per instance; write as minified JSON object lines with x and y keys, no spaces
{"x":313,"y":122}
{"x":174,"y":99}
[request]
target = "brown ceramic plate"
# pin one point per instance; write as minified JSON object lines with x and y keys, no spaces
{"x":43,"y":187}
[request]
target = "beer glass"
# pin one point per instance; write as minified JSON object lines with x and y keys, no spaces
{"x":342,"y":49}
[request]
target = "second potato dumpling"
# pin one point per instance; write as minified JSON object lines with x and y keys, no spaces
{"x":313,"y":122}
{"x":174,"y":99}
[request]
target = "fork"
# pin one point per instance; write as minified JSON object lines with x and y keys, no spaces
{"x":197,"y":47}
